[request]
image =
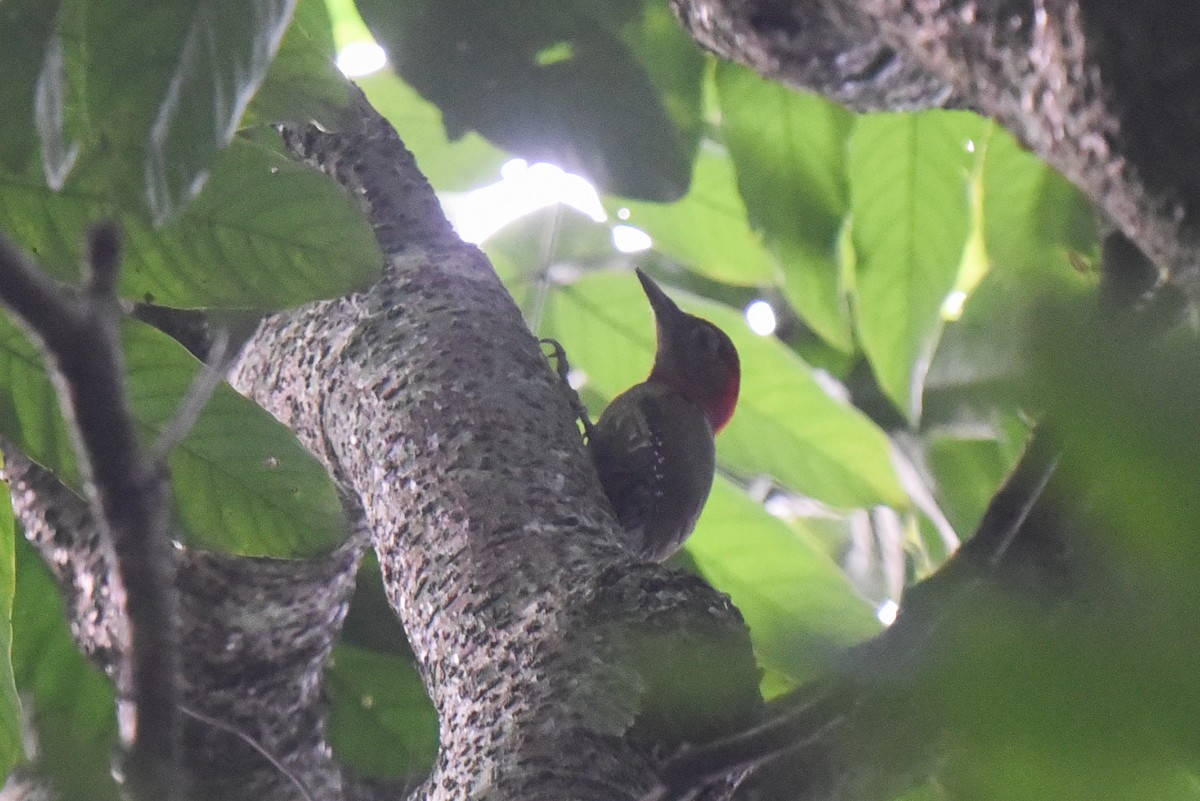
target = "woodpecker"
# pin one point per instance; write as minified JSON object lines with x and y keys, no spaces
{"x":653,"y":447}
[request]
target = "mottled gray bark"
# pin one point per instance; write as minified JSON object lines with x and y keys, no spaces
{"x":1103,"y":91}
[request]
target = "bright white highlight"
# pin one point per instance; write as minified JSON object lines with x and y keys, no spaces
{"x":523,"y":188}
{"x":970,"y":145}
{"x":577,"y":378}
{"x":361,"y":58}
{"x":513,"y":169}
{"x":952,"y":306}
{"x":780,"y":505}
{"x":628,"y":239}
{"x":887,"y":612}
{"x":760,"y":316}
{"x":830,"y":385}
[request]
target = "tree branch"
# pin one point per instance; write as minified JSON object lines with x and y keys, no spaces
{"x":79,"y":334}
{"x":431,"y":402}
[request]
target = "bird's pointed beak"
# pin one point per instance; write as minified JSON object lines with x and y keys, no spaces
{"x":665,"y":311}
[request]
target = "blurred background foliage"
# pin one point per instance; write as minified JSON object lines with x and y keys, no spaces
{"x":905,"y":291}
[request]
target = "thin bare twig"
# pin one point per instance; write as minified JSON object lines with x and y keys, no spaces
{"x":193,"y":404}
{"x":253,"y":743}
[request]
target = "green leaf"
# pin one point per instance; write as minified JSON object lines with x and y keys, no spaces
{"x":799,"y":606}
{"x":60,"y":112}
{"x":29,"y":408}
{"x":198,"y":63}
{"x":269,"y":233}
{"x":909,"y":177}
{"x":786,"y":426}
{"x":671,"y":58}
{"x":25,"y":33}
{"x":968,"y":472}
{"x":1032,"y":215}
{"x":567,"y":90}
{"x":11,"y":747}
{"x":266,"y":233}
{"x":303,"y":82}
{"x":243,"y":483}
{"x":789,"y":152}
{"x":381,"y":721}
{"x":73,"y":707}
{"x":707,"y":229}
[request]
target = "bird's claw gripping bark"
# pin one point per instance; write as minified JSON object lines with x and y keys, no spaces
{"x":563,"y":368}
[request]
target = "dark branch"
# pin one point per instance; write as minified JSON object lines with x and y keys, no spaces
{"x":79,"y":333}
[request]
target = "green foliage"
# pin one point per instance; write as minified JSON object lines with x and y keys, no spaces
{"x":28,"y":26}
{"x":801,"y":609}
{"x":909,"y":196}
{"x":610,"y":90}
{"x":858,"y":230}
{"x":212,"y":218}
{"x":300,"y":86}
{"x":381,"y":721}
{"x":198,"y":65}
{"x":245,"y":484}
{"x":780,"y":138}
{"x":267,"y":233}
{"x":708,"y":228}
{"x":70,"y":702}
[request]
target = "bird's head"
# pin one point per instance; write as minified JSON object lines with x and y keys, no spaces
{"x":694,"y":356}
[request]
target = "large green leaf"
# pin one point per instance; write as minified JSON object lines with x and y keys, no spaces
{"x":197,"y":64}
{"x":1030,"y":220}
{"x":786,"y":426}
{"x":11,"y":746}
{"x":72,"y":707}
{"x":707,"y":229}
{"x":569,"y":89}
{"x":909,"y":179}
{"x":381,"y":721}
{"x":969,"y":471}
{"x":24,"y":37}
{"x":303,"y":82}
{"x":60,"y":102}
{"x":243,"y":483}
{"x":801,"y":610}
{"x":266,"y":233}
{"x":789,"y":150}
{"x":1032,"y":215}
